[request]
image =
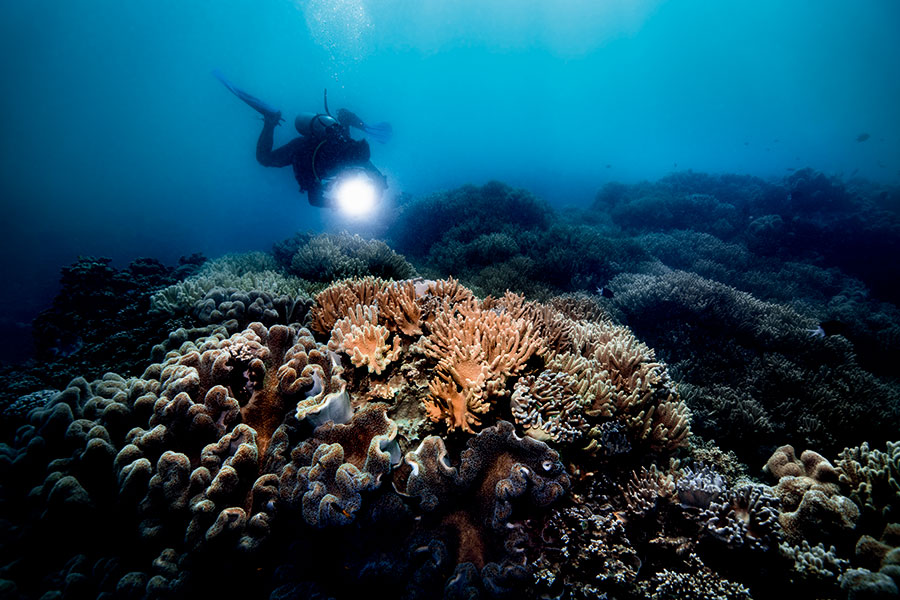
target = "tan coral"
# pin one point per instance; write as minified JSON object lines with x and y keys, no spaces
{"x":549,"y":323}
{"x":334,"y":302}
{"x":477,"y":350}
{"x":621,"y":380}
{"x":459,"y":409}
{"x":359,"y":336}
{"x":397,"y":304}
{"x":549,"y":406}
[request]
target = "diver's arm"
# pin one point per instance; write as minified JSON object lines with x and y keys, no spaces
{"x":280,"y":157}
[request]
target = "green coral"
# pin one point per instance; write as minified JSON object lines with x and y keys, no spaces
{"x":249,"y":271}
{"x":328,"y":257}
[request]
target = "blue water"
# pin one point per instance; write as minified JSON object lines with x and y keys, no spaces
{"x":117,"y":141}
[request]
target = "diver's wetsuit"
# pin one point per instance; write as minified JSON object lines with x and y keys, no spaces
{"x":315,"y":159}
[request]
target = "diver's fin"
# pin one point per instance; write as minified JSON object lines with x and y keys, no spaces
{"x":267,"y":110}
{"x":380,"y":132}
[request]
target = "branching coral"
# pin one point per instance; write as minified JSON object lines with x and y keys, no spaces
{"x":335,"y":302}
{"x":621,"y":380}
{"x":397,"y":303}
{"x":328,"y":257}
{"x":549,"y":407}
{"x":235,"y":443}
{"x":872,"y":480}
{"x":745,"y":517}
{"x":476,"y":351}
{"x":365,"y":341}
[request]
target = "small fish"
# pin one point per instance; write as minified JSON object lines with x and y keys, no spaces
{"x":609,"y":166}
{"x":862,"y":137}
{"x":605,"y":292}
{"x":830,"y":327}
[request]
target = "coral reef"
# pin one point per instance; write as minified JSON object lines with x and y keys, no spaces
{"x":327,"y":257}
{"x":753,"y":375}
{"x":423,"y":440}
{"x":234,"y":444}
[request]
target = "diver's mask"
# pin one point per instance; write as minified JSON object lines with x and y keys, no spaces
{"x":354,"y":191}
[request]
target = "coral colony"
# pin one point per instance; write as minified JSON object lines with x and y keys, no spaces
{"x":326,"y":424}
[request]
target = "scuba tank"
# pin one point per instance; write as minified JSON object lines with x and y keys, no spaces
{"x":315,"y":125}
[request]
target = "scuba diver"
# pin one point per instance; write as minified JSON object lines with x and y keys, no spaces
{"x":331,"y":167}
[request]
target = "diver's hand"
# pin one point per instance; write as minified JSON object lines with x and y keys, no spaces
{"x":272,"y":119}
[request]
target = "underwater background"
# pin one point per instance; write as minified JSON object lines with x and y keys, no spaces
{"x":625,"y":324}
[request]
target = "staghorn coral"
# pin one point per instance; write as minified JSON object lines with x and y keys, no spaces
{"x":733,"y":348}
{"x":698,"y":583}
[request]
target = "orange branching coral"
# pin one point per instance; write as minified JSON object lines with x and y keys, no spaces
{"x":334,"y":302}
{"x":448,"y":289}
{"x":458,"y":408}
{"x":397,"y":304}
{"x":365,"y":341}
{"x":549,"y":323}
{"x":476,"y":350}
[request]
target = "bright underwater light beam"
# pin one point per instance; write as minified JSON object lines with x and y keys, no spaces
{"x":355,"y":194}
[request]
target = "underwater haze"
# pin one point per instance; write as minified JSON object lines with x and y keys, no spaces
{"x":118,"y":142}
